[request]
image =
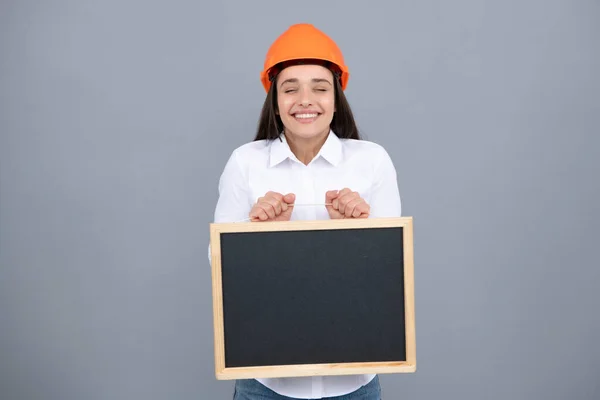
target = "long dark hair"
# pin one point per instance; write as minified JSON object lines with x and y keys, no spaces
{"x":343,"y":125}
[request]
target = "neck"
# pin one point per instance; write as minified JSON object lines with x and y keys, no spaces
{"x":305,"y":149}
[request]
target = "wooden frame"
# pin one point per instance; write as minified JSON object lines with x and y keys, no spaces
{"x":407,"y":366}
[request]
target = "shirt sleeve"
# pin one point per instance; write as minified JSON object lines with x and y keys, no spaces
{"x":385,"y":197}
{"x":233,"y":204}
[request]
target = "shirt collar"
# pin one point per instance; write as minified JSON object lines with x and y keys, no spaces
{"x":330,"y":151}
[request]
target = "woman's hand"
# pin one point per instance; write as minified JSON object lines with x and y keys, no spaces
{"x":346,"y":204}
{"x":273,"y":207}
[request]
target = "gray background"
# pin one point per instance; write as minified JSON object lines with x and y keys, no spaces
{"x":117,"y":117}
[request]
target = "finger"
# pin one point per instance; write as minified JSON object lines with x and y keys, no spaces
{"x":351,"y":206}
{"x":289,"y":198}
{"x":267,"y":208}
{"x":347,"y":195}
{"x":253,"y":212}
{"x":345,"y":199}
{"x":344,"y":192}
{"x":335,"y":204}
{"x":275,"y":195}
{"x":262,"y":215}
{"x":275,"y":203}
{"x":258,"y":214}
{"x":331,"y":203}
{"x":363,"y":209}
{"x":360,"y":208}
{"x":331,"y":195}
{"x":287,"y":201}
{"x":342,"y":205}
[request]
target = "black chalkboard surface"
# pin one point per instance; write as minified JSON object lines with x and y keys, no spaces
{"x":313,"y":297}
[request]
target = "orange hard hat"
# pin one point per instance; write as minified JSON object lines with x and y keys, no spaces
{"x":303,"y":42}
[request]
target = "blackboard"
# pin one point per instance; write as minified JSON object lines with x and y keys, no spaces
{"x":305,"y":298}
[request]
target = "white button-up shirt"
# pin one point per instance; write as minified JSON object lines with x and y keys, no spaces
{"x":258,"y":167}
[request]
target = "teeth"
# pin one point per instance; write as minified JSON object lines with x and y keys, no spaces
{"x":306,"y":115}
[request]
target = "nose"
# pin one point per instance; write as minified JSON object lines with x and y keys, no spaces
{"x":304,"y":99}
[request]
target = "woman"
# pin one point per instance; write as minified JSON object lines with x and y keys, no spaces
{"x":307,"y":161}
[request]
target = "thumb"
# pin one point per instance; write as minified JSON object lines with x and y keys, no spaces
{"x":331,"y":195}
{"x":289,"y":198}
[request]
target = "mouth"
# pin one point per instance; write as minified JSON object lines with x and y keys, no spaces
{"x":306,"y":118}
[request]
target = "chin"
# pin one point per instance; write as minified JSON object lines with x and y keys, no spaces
{"x":308,"y":131}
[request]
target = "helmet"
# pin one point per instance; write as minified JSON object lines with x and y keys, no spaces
{"x":301,"y":42}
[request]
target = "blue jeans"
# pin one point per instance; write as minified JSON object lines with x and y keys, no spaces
{"x":251,"y":389}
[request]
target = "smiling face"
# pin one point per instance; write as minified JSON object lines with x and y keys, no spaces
{"x":305,"y":100}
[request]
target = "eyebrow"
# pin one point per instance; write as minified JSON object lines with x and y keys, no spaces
{"x":315,"y":80}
